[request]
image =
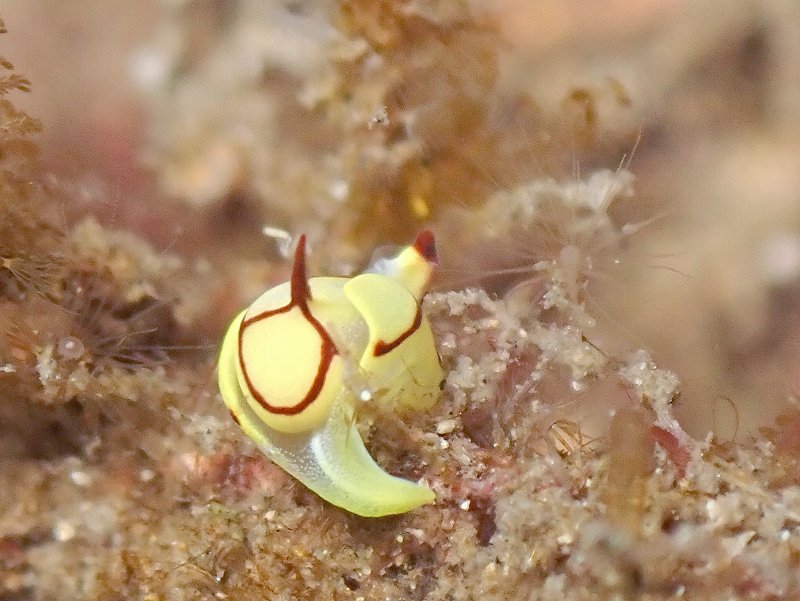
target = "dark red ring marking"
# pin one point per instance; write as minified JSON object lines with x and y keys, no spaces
{"x":300,"y":293}
{"x":382,"y":347}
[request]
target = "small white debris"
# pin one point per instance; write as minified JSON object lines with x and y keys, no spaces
{"x":734,"y":545}
{"x":70,"y":347}
{"x":282,"y":238}
{"x":565,"y":539}
{"x":80,"y":478}
{"x":46,"y":366}
{"x":339,"y":190}
{"x":379,"y":117}
{"x":446,"y":426}
{"x":64,"y":531}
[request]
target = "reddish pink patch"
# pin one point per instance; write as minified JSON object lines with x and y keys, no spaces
{"x":677,"y":453}
{"x":240,"y":475}
{"x":12,"y":554}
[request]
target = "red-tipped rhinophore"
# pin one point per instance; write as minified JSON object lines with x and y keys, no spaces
{"x":300,"y":291}
{"x":425,"y":245}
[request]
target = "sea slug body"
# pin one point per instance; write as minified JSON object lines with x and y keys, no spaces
{"x":297,"y":362}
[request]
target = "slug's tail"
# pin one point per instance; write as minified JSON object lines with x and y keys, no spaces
{"x":331,"y":460}
{"x":351,"y":479}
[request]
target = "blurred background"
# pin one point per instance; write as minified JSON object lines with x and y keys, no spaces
{"x":710,"y":90}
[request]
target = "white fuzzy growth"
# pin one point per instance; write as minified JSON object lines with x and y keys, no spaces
{"x":46,"y":366}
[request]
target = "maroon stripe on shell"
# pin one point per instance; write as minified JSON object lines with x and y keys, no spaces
{"x":300,"y":295}
{"x":382,"y":347}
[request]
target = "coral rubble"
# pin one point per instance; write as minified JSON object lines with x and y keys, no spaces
{"x":562,"y":466}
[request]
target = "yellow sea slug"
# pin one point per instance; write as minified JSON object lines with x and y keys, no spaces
{"x":295,"y":365}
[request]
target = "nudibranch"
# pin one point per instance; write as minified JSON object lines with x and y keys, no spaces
{"x":295,"y":365}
